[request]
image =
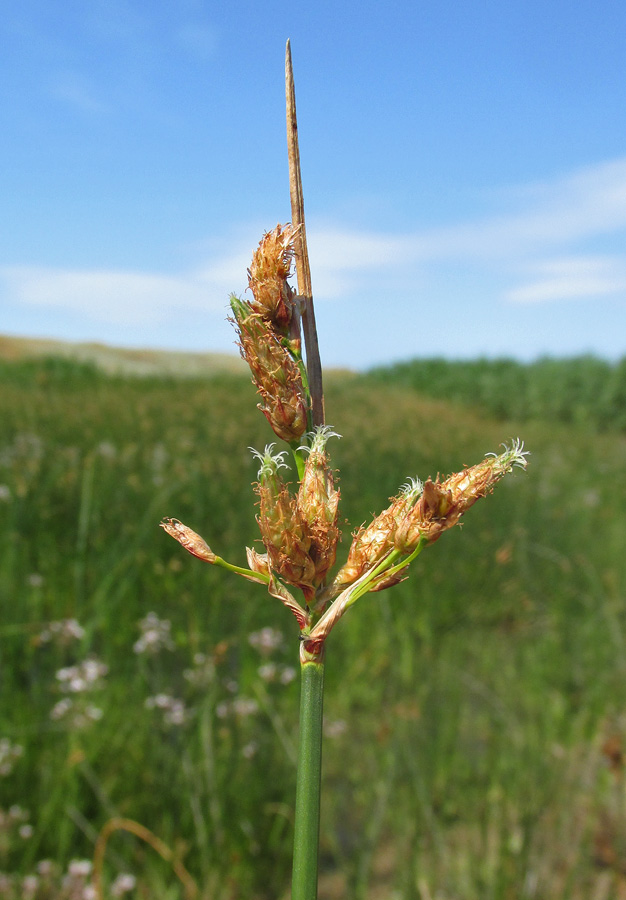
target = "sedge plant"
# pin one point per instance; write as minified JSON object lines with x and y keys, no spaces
{"x":299,"y":518}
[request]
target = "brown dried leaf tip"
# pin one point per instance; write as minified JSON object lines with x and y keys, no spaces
{"x":187,"y":538}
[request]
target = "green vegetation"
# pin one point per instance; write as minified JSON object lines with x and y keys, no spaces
{"x":582,"y":390}
{"x":474,"y":716}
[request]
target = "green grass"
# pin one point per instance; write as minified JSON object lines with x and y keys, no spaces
{"x":581,"y":390}
{"x":467,"y":709}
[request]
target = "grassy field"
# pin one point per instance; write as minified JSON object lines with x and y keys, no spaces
{"x":475,"y":714}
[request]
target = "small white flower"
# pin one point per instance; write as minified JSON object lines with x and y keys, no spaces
{"x":268,"y":671}
{"x":17,"y":813}
{"x":287,"y":675}
{"x":30,"y":883}
{"x":123,"y":883}
{"x":106,"y":450}
{"x":155,"y":635}
{"x":222,"y":710}
{"x":245,"y":706}
{"x":249,"y":750}
{"x":79,"y":868}
{"x":61,"y":709}
{"x":266,"y":640}
{"x":176,"y":714}
{"x":334,"y":729}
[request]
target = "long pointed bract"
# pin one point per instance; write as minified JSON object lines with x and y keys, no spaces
{"x":314,"y":365}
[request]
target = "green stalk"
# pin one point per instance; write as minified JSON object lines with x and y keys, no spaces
{"x":307,"y":823}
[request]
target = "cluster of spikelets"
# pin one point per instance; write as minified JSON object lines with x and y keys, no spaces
{"x":299,"y":527}
{"x":269,"y":336}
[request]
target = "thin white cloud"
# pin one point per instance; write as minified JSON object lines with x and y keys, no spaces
{"x":536,"y":254}
{"x":342,"y":260}
{"x":118,"y":297}
{"x":555,"y":218}
{"x":573,"y":278}
{"x":588,"y":203}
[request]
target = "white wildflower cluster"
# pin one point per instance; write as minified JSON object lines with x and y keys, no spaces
{"x":62,"y":632}
{"x":240,"y":707}
{"x":48,"y":880}
{"x":14,"y":822}
{"x":275,"y":672}
{"x":155,"y":635}
{"x":75,"y":715}
{"x":266,"y":641}
{"x":202,"y":674}
{"x":76,"y":883}
{"x":9,"y":754}
{"x":173,"y":709}
{"x":124,"y":883}
{"x":75,"y":711}
{"x":85,"y":676}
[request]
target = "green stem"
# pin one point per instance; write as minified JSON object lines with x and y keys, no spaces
{"x":307,"y":822}
{"x":239,"y":570}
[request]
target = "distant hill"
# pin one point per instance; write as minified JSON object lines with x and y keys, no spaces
{"x":122,"y":360}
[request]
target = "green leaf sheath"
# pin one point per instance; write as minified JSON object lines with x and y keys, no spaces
{"x":307,"y":823}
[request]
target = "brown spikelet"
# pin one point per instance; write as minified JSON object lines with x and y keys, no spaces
{"x":284,"y":534}
{"x":191,"y":541}
{"x":275,"y":372}
{"x":318,"y":505}
{"x":442,"y":504}
{"x":371,"y":543}
{"x":267,"y":278}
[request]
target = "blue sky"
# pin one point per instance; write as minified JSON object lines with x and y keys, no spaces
{"x":464,"y":169}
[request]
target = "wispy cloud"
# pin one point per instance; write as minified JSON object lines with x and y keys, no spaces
{"x":581,"y":205}
{"x":542,"y":251}
{"x":572,"y":278}
{"x":546,"y":238}
{"x":117,"y":297}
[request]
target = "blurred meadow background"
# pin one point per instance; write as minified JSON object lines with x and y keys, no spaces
{"x":475,"y":715}
{"x":465,"y":182}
